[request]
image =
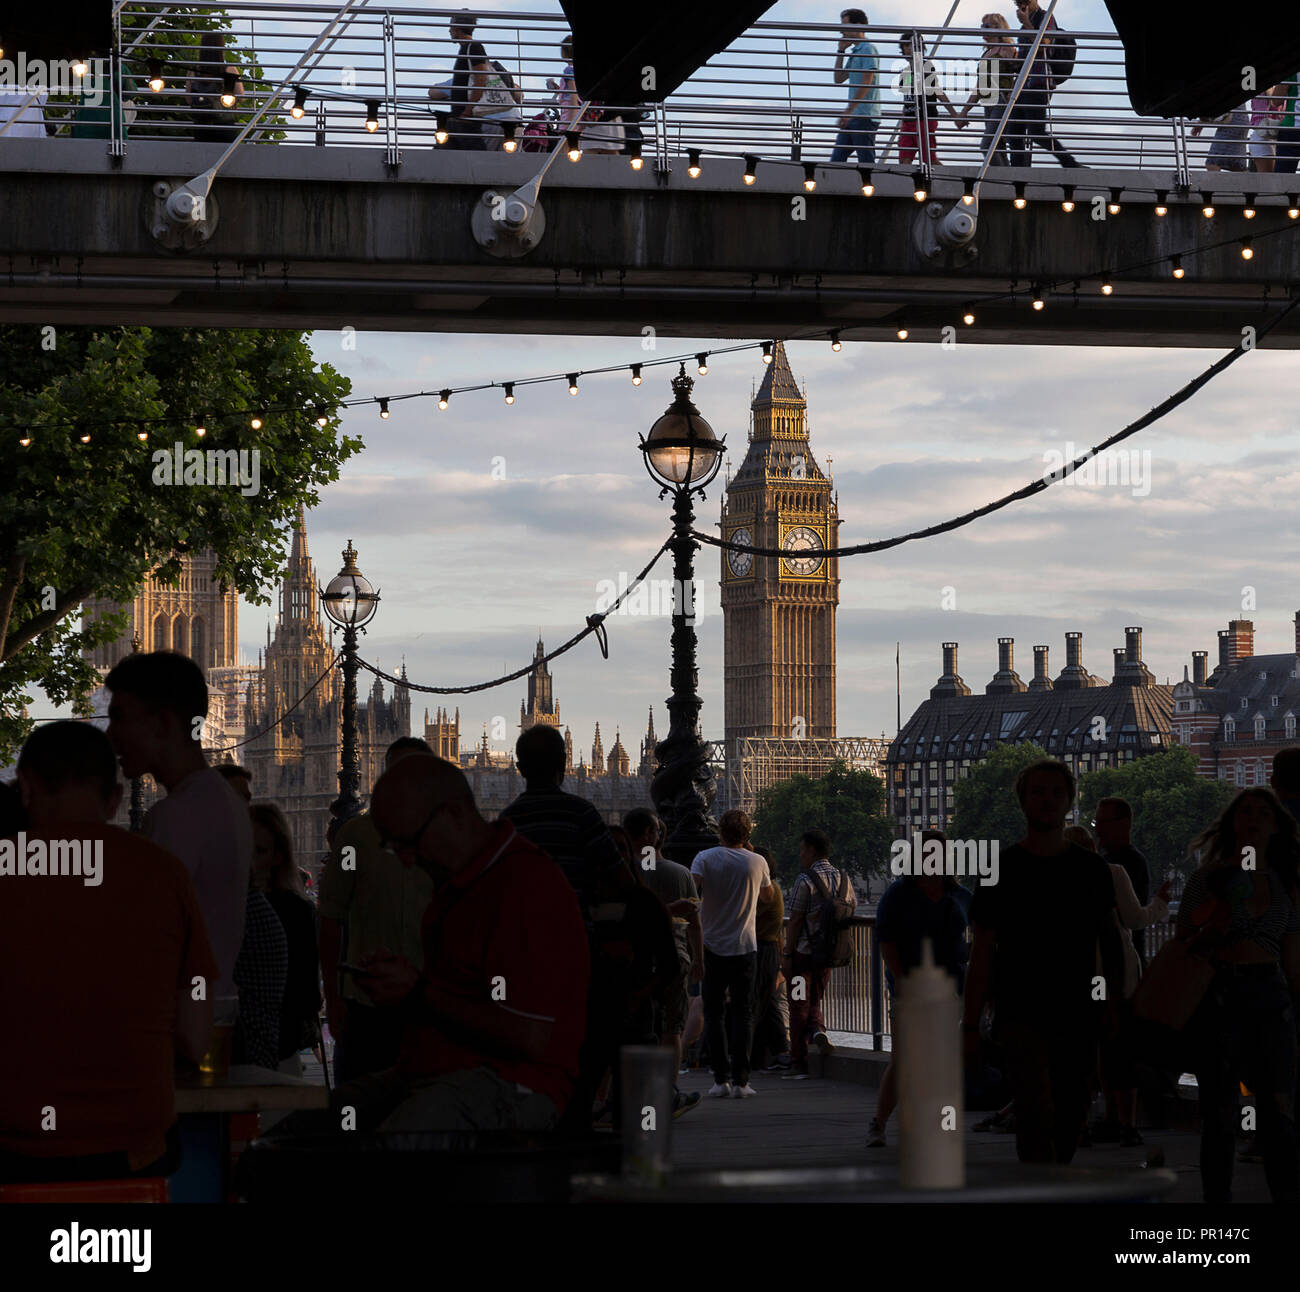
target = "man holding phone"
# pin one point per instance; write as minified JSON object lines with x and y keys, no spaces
{"x":495,"y":1011}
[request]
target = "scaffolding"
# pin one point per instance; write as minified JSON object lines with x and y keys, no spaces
{"x":746,"y":765}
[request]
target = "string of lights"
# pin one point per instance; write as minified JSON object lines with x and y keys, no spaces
{"x":1039,"y":293}
{"x":1180,"y":396}
{"x":595,"y":624}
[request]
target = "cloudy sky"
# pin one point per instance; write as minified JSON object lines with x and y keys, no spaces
{"x":472,"y":566}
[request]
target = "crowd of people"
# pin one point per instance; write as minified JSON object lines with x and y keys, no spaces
{"x":482,"y":104}
{"x":485,"y":975}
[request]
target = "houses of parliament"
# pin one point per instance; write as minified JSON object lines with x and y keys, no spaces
{"x":280,"y":717}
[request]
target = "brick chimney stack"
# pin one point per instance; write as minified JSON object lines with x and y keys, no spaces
{"x":1005,"y":680}
{"x":950,"y":683}
{"x":1241,"y":640}
{"x":1120,"y":662}
{"x":1073,"y":676}
{"x":1199,"y":658}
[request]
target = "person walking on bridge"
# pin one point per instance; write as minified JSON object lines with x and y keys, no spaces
{"x":1029,"y":117}
{"x":857,"y":62}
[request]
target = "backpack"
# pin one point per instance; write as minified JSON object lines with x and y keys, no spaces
{"x":1061,"y":56}
{"x":832,"y":944}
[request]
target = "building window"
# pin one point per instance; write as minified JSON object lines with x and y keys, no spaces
{"x":196,"y":642}
{"x":1244,"y":703}
{"x":180,"y":638}
{"x":1239,"y":773}
{"x":160,"y":633}
{"x":1290,"y":726}
{"x":1259,"y":727}
{"x":1273,"y":701}
{"x":1229,"y":729}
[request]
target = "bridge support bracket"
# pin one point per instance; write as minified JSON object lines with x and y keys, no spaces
{"x":178,"y":218}
{"x":939,"y":231}
{"x":507,"y":225}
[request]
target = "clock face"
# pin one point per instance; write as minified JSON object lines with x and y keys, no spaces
{"x":805,"y":542}
{"x":741,"y":562}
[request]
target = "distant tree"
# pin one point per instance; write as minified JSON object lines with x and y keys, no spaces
{"x":849,"y":805}
{"x":1171,"y":804}
{"x":984,"y":802}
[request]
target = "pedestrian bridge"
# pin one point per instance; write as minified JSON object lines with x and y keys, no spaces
{"x":349,"y":204}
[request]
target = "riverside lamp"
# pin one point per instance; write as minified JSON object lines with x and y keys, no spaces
{"x":350,"y":602}
{"x":683,"y":455}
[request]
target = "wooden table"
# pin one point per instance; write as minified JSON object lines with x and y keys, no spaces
{"x":205,"y":1105}
{"x":247,"y":1089}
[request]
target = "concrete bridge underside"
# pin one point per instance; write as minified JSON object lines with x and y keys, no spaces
{"x":328,"y":237}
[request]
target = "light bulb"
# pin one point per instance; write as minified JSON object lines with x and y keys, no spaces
{"x":1247,"y":251}
{"x":573,"y":383}
{"x":1177,"y":266}
{"x":1106,"y":287}
{"x":835,"y":342}
{"x":868,"y":181}
{"x":256,"y":423}
{"x":444,"y":398}
{"x":703,"y":361}
{"x":810,"y":176}
{"x":510,"y":392}
{"x":693,"y":156}
{"x":968,"y":317}
{"x":636,"y":374}
{"x":383,"y":409}
{"x":767,"y":352}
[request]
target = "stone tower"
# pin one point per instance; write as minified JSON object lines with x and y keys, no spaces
{"x":779,"y":612}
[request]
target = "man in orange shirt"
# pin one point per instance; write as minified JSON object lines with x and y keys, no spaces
{"x":107,"y":971}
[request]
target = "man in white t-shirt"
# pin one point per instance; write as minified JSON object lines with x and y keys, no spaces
{"x":730,"y":879}
{"x":157,"y":705}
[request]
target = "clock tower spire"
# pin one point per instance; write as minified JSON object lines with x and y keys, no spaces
{"x":779,"y":612}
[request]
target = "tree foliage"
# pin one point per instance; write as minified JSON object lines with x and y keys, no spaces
{"x":1171,"y":804}
{"x":984,"y":804}
{"x":848,"y":805}
{"x":85,"y":520}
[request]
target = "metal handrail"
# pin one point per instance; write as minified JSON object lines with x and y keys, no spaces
{"x":743,"y":101}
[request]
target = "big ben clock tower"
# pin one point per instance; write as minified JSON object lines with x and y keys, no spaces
{"x":779,"y":612}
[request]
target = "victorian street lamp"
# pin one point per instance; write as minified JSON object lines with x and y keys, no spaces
{"x":350,"y":602}
{"x":137,"y":790}
{"x":682,"y":455}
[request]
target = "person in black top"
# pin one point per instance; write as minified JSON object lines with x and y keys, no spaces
{"x":276,"y":876}
{"x":1029,"y":117}
{"x":464,"y":131}
{"x":561,"y":824}
{"x":1113,"y":824}
{"x":1036,"y":934}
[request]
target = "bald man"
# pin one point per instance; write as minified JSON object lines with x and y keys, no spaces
{"x":497,"y":1012}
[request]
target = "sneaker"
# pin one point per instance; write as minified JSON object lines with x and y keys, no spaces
{"x":822,"y":1042}
{"x":684,"y":1101}
{"x":782,"y":1063}
{"x":798,"y":1072}
{"x":1129,"y":1138}
{"x":875,"y":1135}
{"x":720,"y":1090}
{"x":1106,"y":1132}
{"x":744,"y":1092}
{"x":1250,"y":1152}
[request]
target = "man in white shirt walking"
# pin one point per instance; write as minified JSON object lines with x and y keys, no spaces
{"x":158,"y":703}
{"x":730,"y":878}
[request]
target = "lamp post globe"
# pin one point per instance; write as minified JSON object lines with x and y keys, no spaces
{"x":350,"y":601}
{"x":682,"y":455}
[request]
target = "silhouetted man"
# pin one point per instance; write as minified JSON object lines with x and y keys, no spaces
{"x":1113,"y":825}
{"x":107,"y":979}
{"x":156,"y":711}
{"x":1036,"y":933}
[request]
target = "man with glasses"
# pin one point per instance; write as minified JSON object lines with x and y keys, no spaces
{"x":495,"y":1011}
{"x":1028,"y":124}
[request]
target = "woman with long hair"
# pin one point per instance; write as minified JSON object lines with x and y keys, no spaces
{"x":998,"y":65}
{"x":1239,"y":911}
{"x":206,"y":88}
{"x":276,"y":875}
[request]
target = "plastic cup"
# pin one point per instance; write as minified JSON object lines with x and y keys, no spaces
{"x":647,"y":1115}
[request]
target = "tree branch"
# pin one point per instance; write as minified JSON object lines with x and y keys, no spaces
{"x":44,"y":621}
{"x":14,"y":568}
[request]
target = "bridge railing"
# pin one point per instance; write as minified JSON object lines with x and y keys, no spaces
{"x":771,"y":94}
